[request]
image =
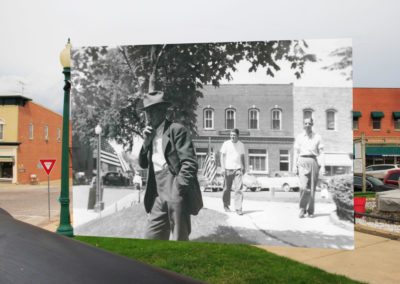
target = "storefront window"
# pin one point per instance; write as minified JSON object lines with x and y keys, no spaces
{"x":258,"y":160}
{"x":284,"y":160}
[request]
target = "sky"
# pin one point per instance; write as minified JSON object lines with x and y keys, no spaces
{"x":33,"y":33}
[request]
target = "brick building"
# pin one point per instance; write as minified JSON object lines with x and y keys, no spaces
{"x":331,"y":110}
{"x":270,"y":116}
{"x":262,"y":113}
{"x":28,"y":132}
{"x":377,"y":115}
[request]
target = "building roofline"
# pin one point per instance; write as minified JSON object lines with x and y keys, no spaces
{"x":47,"y":109}
{"x":16,"y":96}
{"x":377,"y":88}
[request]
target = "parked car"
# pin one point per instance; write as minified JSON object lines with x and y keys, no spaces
{"x":116,"y":178}
{"x":285,"y":181}
{"x":372,"y":184}
{"x":250,"y":182}
{"x":80,"y":178}
{"x":216,"y":184}
{"x":392,"y":177}
{"x":380,"y":171}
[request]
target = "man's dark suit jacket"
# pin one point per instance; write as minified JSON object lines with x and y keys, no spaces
{"x":182,"y":164}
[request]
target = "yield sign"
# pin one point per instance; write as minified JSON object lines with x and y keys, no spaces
{"x":48,"y":165}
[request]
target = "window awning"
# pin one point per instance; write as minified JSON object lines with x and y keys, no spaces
{"x":377,"y":114}
{"x":382,"y":151}
{"x":338,"y":159}
{"x":9,"y":159}
{"x":396,"y":114}
{"x":356,"y":114}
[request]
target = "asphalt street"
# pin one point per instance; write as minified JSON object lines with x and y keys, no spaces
{"x":30,"y":203}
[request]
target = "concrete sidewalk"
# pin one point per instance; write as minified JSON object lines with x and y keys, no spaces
{"x":279,"y":223}
{"x":374,"y":260}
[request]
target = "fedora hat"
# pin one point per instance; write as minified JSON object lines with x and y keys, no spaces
{"x":153,"y":98}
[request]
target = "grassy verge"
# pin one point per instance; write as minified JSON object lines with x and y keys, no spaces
{"x":217,"y":263}
{"x":364,"y":194}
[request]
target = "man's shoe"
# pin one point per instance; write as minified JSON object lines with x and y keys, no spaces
{"x":302,"y":213}
{"x":311,"y":215}
{"x":239,"y":212}
{"x":226,"y":208}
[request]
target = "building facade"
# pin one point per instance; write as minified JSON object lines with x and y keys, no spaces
{"x":377,"y":115}
{"x":262,"y":113}
{"x":269,"y":117}
{"x":28,"y":132}
{"x":331,"y":110}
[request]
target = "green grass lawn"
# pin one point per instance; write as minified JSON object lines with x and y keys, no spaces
{"x":217,"y":263}
{"x":364,"y":194}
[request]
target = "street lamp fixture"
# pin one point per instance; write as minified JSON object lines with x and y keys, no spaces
{"x":65,"y":227}
{"x":99,"y":206}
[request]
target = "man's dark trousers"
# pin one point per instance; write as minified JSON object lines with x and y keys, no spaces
{"x":233,"y":179}
{"x":169,"y":213}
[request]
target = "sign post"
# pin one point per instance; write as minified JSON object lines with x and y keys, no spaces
{"x":48,"y":165}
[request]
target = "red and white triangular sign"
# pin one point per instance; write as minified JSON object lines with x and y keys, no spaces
{"x":48,"y":165}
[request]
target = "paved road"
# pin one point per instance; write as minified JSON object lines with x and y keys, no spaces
{"x":30,"y":204}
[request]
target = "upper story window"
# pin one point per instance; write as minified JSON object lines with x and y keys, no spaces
{"x":254,"y":115}
{"x":2,"y":122}
{"x":307,"y":113}
{"x":356,"y":116}
{"x":396,"y":117}
{"x":46,"y":132}
{"x":331,"y":119}
{"x":208,"y":118}
{"x":30,"y":130}
{"x":376,"y":119}
{"x":58,"y":134}
{"x":230,"y":118}
{"x":276,"y":119}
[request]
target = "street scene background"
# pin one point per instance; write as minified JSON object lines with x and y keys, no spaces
{"x":108,"y":85}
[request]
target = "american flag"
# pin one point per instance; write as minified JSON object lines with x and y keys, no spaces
{"x":210,"y":166}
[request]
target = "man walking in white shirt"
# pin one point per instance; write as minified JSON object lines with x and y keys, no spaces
{"x":233,"y":166}
{"x":307,"y":148}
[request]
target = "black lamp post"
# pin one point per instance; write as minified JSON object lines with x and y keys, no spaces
{"x":99,"y":206}
{"x":65,"y":227}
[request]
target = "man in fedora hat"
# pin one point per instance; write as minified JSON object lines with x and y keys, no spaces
{"x":172,"y":192}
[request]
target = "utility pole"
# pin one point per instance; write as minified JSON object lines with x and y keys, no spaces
{"x":364,"y":184}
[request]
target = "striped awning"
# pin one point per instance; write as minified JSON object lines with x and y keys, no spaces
{"x":356,"y":114}
{"x":377,"y":114}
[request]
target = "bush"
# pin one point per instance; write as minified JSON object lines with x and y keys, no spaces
{"x":341,"y":189}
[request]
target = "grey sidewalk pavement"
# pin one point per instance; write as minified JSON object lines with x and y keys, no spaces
{"x":374,"y":260}
{"x":281,"y":225}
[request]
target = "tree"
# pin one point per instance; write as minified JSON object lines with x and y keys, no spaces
{"x":109,"y":82}
{"x":344,"y":63}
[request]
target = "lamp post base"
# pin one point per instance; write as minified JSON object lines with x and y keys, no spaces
{"x":99,"y":206}
{"x":65,"y":230}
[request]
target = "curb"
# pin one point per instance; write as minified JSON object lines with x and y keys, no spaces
{"x":349,"y":226}
{"x":377,"y":232}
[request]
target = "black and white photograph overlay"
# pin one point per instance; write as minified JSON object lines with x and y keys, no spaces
{"x":229,"y":142}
